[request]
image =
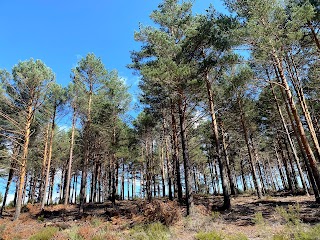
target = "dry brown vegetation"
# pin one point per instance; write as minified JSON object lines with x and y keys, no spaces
{"x":251,"y":217}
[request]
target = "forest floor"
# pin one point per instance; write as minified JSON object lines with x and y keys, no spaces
{"x":272,"y":217}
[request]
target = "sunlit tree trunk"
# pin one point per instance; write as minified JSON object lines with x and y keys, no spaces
{"x":215,"y":133}
{"x":44,"y":163}
{"x":251,"y":157}
{"x":175,"y":153}
{"x":185,"y":155}
{"x":297,"y":119}
{"x":49,"y":158}
{"x":23,"y":166}
{"x":66,"y":197}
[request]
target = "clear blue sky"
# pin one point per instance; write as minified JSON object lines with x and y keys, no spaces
{"x":61,"y":32}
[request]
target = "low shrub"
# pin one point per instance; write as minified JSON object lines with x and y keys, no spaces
{"x":164,"y":212}
{"x":150,"y":232}
{"x":290,"y":216}
{"x":213,"y":235}
{"x":312,"y":233}
{"x":305,"y":233}
{"x":96,"y":222}
{"x":45,"y":234}
{"x":258,"y":218}
{"x":215,"y":216}
{"x":41,"y":218}
{"x":209,"y":236}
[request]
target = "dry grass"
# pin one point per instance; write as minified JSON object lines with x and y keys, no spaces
{"x":252,"y":217}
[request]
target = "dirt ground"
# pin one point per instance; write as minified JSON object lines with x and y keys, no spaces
{"x":253,"y":217}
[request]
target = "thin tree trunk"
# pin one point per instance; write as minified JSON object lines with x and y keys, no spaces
{"x":66,"y":199}
{"x":83,"y":186}
{"x":251,"y":158}
{"x":307,"y":148}
{"x":306,"y":161}
{"x":175,"y":153}
{"x":214,"y":128}
{"x":122,"y":181}
{"x":299,"y":91}
{"x":13,"y":164}
{"x":186,"y":163}
{"x":49,"y":158}
{"x":53,"y":173}
{"x":245,"y":186}
{"x":162,"y":172}
{"x":293,"y":149}
{"x":44,"y":163}
{"x":286,"y":166}
{"x":228,"y":165}
{"x":23,"y":167}
{"x":314,"y":35}
{"x":169,"y":170}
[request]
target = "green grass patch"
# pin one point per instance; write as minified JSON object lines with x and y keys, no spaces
{"x":300,"y":233}
{"x":258,"y":218}
{"x":45,"y":234}
{"x":290,"y":216}
{"x":214,"y":235}
{"x":150,"y":232}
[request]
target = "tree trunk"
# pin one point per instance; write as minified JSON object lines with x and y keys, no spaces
{"x":214,"y":128}
{"x":66,"y":199}
{"x":175,"y":153}
{"x":162,"y":172}
{"x":49,"y":158}
{"x":314,"y":35}
{"x":169,"y":169}
{"x":23,"y":167}
{"x":186,"y":163}
{"x":122,"y":181}
{"x":299,"y":91}
{"x":251,"y":158}
{"x":293,"y":149}
{"x":83,"y":186}
{"x":44,"y":163}
{"x":51,"y":187}
{"x":228,"y":165}
{"x":286,"y":166}
{"x":302,"y":135}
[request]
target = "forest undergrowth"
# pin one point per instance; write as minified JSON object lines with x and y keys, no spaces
{"x":281,"y":217}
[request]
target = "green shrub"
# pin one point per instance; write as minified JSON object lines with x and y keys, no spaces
{"x":215,"y":215}
{"x":150,"y":232}
{"x":239,"y":236}
{"x":281,"y":237}
{"x":219,"y":236}
{"x":96,"y":222}
{"x":309,"y":234}
{"x":209,"y":236}
{"x":41,"y":218}
{"x":45,"y":234}
{"x":73,"y":234}
{"x":258,"y":218}
{"x":305,"y":233}
{"x":290,"y":216}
